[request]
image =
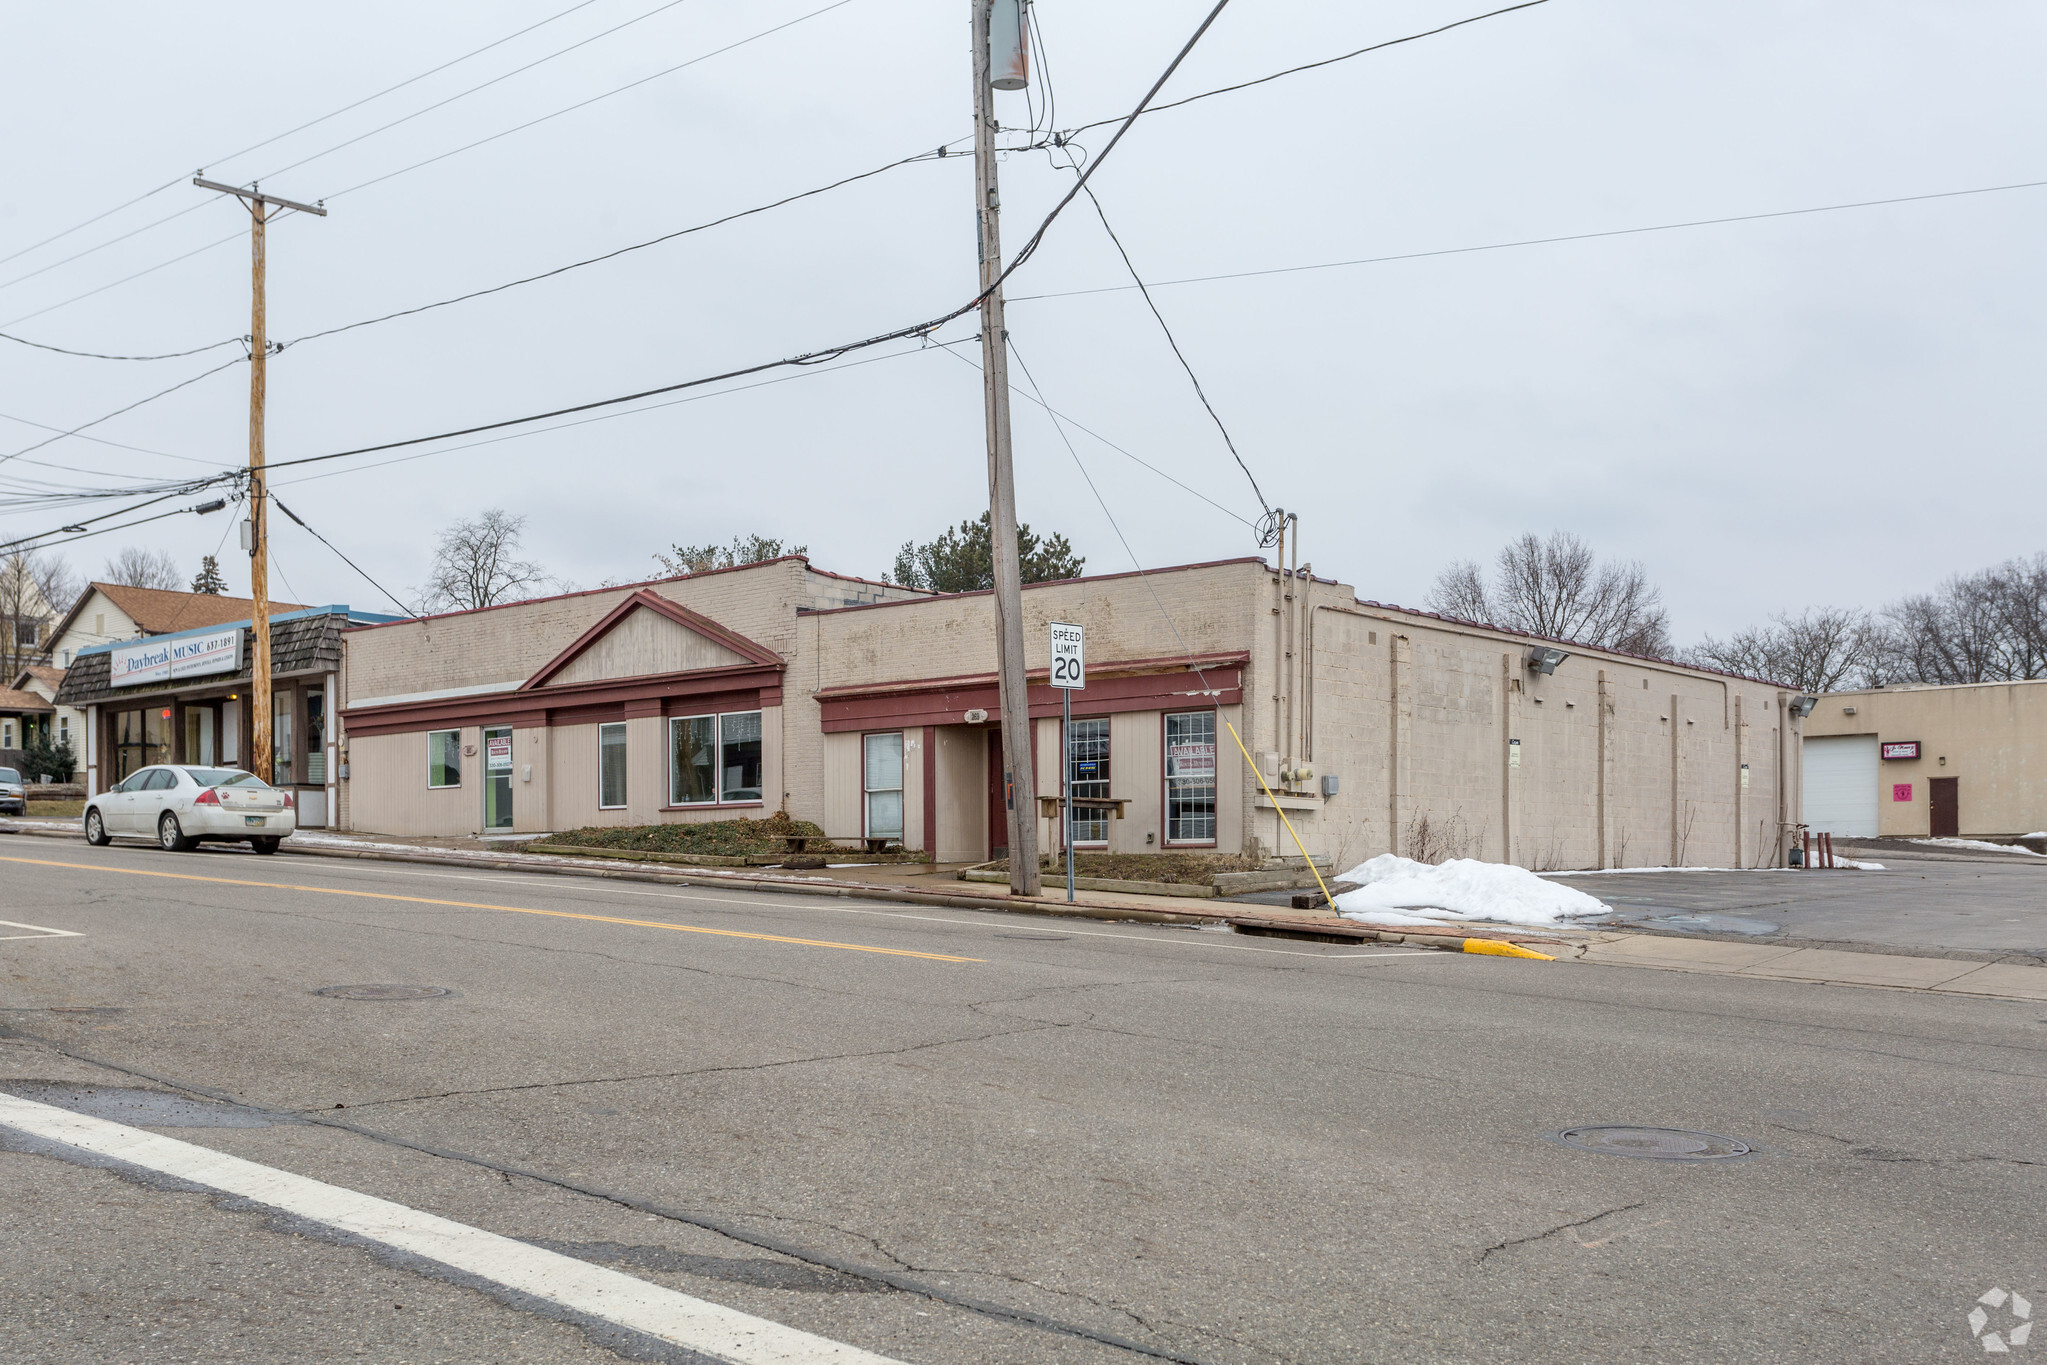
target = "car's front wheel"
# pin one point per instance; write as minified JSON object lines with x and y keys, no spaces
{"x":172,"y":835}
{"x":96,"y":829}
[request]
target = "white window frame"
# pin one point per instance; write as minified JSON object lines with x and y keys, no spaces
{"x":432,"y":785}
{"x":1166,"y":780}
{"x":624,"y":751}
{"x":760,"y":797}
{"x":867,"y":793}
{"x":675,"y":803}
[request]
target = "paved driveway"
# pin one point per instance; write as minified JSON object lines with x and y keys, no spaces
{"x":1924,"y":901}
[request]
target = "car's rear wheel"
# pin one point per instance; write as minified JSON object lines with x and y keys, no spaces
{"x":96,"y":829}
{"x":268,"y":845}
{"x":171,"y":835}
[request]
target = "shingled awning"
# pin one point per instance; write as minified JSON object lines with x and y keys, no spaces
{"x":298,"y":645}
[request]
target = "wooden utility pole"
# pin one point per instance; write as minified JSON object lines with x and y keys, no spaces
{"x":1019,"y":785}
{"x":262,"y":208}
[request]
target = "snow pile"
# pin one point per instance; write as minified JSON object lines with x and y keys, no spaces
{"x":1396,"y":890}
{"x":1983,"y":844}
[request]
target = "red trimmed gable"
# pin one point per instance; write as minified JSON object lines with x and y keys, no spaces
{"x":749,"y":651}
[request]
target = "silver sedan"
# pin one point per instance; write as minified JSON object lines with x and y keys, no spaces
{"x":182,"y":806}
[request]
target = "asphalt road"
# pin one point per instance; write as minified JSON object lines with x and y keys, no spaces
{"x":1002,"y":1138}
{"x":1924,"y":901}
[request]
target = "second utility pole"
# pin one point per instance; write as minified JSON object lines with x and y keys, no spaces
{"x":260,"y":212}
{"x":1019,"y":786}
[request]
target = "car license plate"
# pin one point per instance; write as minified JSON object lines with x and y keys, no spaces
{"x":252,"y":819}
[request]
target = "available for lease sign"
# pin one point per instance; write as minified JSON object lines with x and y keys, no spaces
{"x":148,"y":661}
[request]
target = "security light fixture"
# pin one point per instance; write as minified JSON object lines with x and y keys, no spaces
{"x":1802,"y":706}
{"x":1545,"y":658}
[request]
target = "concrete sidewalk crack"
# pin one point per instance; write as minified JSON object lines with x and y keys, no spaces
{"x":1551,"y":1232}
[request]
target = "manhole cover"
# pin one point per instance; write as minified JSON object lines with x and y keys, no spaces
{"x":1656,"y":1144}
{"x":384,"y":992}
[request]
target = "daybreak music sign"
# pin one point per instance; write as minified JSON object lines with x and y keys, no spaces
{"x":148,"y":661}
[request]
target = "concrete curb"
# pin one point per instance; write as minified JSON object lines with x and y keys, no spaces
{"x":1328,"y":929}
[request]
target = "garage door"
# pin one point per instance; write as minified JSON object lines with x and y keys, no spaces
{"x":1841,"y":785}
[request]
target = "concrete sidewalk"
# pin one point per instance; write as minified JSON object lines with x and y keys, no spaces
{"x":1822,"y":965}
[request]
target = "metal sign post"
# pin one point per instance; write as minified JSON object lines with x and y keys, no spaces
{"x":1069,"y":675}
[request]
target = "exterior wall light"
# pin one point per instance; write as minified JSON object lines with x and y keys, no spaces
{"x":1802,"y":706}
{"x":1545,"y":658}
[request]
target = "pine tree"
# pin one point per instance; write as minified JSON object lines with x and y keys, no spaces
{"x":209,"y":579}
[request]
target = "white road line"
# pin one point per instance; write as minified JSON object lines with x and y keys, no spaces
{"x":40,"y":931}
{"x":711,"y":1329}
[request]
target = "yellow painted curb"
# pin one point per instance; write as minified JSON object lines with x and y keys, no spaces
{"x":1495,"y":948}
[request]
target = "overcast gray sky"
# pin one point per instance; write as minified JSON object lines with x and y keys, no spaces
{"x":1828,"y":408}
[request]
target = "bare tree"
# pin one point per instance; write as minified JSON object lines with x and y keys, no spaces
{"x":1822,"y":649}
{"x":34,"y":591}
{"x":476,"y":564}
{"x":1988,"y":626}
{"x":1558,"y":588}
{"x":136,"y":567}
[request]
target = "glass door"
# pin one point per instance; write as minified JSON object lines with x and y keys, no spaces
{"x":497,"y":778}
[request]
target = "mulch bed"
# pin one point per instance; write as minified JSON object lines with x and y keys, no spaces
{"x":729,"y":838}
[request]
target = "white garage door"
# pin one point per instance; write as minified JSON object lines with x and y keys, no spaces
{"x":1841,"y":785}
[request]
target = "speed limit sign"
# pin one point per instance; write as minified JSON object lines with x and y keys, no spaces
{"x":1068,"y":655}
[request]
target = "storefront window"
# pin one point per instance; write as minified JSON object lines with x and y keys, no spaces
{"x":1089,"y":776}
{"x":739,"y":756}
{"x":140,"y":739}
{"x":882,"y":777}
{"x":280,"y":740}
{"x":444,"y":758}
{"x":692,"y":760}
{"x":611,"y":748}
{"x":1190,"y":777}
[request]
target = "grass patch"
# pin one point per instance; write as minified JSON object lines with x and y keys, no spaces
{"x":723,"y":838}
{"x":55,"y":810}
{"x":1178,"y":868}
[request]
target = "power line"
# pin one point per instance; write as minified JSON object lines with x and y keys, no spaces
{"x":621,"y":251}
{"x":118,"y":411}
{"x":1327,"y":61}
{"x":337,"y":552}
{"x":808,"y":357}
{"x":95,"y":355}
{"x":78,"y":255}
{"x":580,"y":104}
{"x":403,"y":170}
{"x":1267,"y":525}
{"x":464,"y":94}
{"x":410,"y":80}
{"x":289,"y":131}
{"x":612,"y":416}
{"x":1549,"y":241}
{"x":1077,"y":426}
{"x":235,"y":236}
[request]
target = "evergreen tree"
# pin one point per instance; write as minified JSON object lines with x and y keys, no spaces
{"x":208,"y":579}
{"x":963,"y":559}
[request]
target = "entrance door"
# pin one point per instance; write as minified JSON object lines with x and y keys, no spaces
{"x":199,"y":735}
{"x":1944,"y":802}
{"x":998,"y":810}
{"x":497,"y":778}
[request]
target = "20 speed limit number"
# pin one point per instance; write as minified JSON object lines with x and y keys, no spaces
{"x":1068,"y":656}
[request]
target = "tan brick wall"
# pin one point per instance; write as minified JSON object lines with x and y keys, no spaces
{"x":1992,"y":736}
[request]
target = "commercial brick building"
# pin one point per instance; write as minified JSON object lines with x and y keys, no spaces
{"x":872,"y":710}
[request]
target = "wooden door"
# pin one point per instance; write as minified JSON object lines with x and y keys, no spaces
{"x":1944,"y":804}
{"x":998,"y":809}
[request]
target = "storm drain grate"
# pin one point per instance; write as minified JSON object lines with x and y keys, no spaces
{"x":384,"y":992}
{"x":1654,"y":1144}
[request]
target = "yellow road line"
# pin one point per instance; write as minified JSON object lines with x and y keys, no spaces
{"x":508,"y":909}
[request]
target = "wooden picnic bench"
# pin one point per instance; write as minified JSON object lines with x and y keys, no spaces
{"x":1048,"y":806}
